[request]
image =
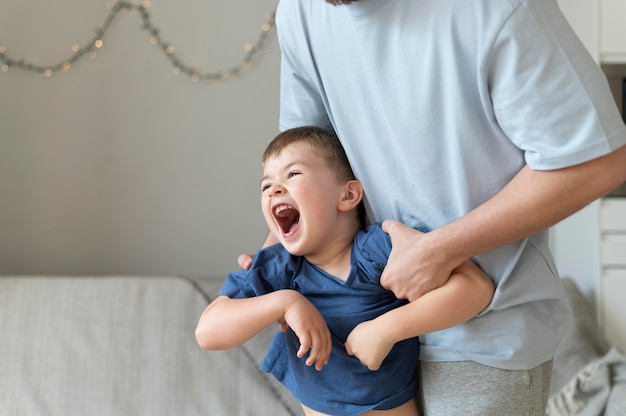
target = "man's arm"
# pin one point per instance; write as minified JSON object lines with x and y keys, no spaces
{"x":531,"y":202}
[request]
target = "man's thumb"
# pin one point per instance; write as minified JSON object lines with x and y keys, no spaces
{"x":390,"y":226}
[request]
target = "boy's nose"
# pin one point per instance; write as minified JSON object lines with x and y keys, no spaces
{"x":277,"y":189}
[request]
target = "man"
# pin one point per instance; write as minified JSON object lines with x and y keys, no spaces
{"x":483,"y":121}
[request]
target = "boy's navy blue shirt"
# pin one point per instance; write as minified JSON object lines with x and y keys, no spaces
{"x":344,"y":386}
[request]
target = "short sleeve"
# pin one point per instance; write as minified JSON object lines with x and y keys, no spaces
{"x":553,"y":101}
{"x":300,"y":101}
{"x":272,"y":269}
{"x":372,"y":247}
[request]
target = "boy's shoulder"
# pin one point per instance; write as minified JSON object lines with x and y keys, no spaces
{"x":372,"y":231}
{"x":272,"y":268}
{"x":372,"y":243}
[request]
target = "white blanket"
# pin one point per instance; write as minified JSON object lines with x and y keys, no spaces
{"x":598,"y":389}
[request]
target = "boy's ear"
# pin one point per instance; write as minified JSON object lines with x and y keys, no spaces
{"x":351,"y":195}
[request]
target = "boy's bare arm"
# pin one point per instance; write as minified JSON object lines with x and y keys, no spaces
{"x":227,"y":323}
{"x":468,"y":291}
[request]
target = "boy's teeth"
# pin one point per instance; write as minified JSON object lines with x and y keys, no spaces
{"x":282,"y":208}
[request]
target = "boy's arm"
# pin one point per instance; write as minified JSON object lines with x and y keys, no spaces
{"x":467,"y":293}
{"x":227,"y":323}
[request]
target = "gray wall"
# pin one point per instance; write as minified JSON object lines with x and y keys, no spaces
{"x":118,"y":166}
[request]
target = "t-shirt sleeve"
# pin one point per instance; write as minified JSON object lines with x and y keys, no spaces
{"x":272,"y":269}
{"x":373,"y":246}
{"x":553,"y":101}
{"x":300,"y":101}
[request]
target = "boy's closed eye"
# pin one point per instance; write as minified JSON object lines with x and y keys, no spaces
{"x":265,"y":186}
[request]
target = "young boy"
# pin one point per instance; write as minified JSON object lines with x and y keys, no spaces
{"x":349,"y":345}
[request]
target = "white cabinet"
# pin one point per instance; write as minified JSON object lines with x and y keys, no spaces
{"x":591,"y":245}
{"x":612,"y":31}
{"x":611,"y":294}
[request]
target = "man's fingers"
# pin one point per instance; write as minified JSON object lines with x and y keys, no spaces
{"x":244,"y":261}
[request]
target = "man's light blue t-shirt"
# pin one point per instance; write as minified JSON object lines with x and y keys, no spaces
{"x":439,"y":104}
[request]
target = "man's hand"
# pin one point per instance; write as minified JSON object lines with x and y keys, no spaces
{"x":369,"y":344}
{"x":416,"y":265}
{"x":244,"y":261}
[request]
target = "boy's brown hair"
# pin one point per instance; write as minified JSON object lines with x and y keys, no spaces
{"x":325,"y":144}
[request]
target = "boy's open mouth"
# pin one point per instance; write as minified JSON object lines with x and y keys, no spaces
{"x":287,"y":217}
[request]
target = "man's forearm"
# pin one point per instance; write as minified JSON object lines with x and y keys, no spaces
{"x":533,"y":201}
{"x":270,"y":240}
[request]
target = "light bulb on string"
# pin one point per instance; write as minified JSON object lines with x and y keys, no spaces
{"x":144,"y":9}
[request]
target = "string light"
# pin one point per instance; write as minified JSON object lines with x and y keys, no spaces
{"x":251,"y":50}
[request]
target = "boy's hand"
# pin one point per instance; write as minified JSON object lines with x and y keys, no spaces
{"x":369,"y":344}
{"x":312,"y":331}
